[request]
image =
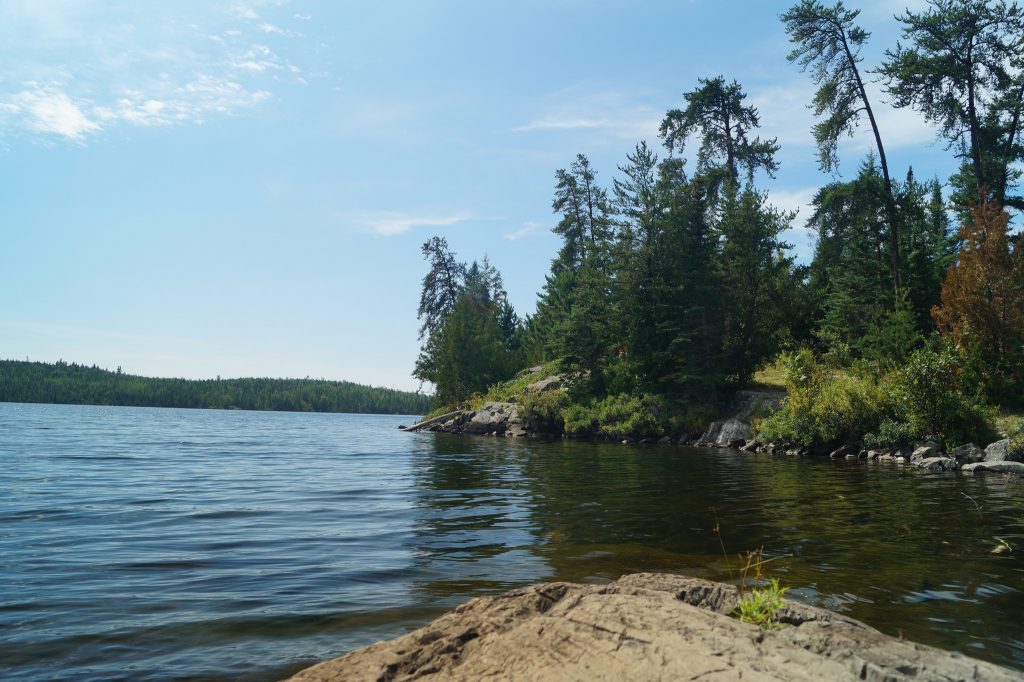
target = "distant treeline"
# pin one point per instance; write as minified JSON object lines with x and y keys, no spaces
{"x":39,"y":382}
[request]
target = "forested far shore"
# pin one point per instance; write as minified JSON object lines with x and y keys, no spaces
{"x":70,"y":383}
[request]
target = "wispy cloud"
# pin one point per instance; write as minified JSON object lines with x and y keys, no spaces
{"x":50,"y":111}
{"x":562,"y":124}
{"x":390,"y":223}
{"x":614,"y":113}
{"x":64,"y":73}
{"x":528,"y":228}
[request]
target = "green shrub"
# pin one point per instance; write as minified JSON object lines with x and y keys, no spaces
{"x":615,"y":416}
{"x":1016,"y":436}
{"x":622,"y":415}
{"x":580,"y":419}
{"x":932,"y":394}
{"x":890,"y":433}
{"x":545,"y":412}
{"x":824,"y":406}
{"x":938,"y":397}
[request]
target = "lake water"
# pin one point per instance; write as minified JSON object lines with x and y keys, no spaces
{"x":160,"y":544}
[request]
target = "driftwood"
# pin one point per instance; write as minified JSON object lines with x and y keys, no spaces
{"x":430,"y":422}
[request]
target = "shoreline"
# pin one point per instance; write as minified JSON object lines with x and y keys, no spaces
{"x":645,"y":626}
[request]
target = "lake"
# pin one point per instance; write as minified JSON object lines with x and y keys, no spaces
{"x":163,"y":544}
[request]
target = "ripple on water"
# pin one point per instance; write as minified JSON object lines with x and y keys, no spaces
{"x":184,"y":544}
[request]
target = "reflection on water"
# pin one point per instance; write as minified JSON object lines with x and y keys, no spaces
{"x":180,"y":544}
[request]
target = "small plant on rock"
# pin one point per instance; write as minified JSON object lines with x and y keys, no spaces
{"x":761,"y":606}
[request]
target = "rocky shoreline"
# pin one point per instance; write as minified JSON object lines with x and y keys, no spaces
{"x":504,"y":419}
{"x":645,"y":627}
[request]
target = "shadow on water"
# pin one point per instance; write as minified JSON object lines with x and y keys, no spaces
{"x":909,"y":553}
{"x":188,"y":545}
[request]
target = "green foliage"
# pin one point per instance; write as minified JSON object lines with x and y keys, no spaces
{"x":1016,"y":436}
{"x":960,"y":66}
{"x":64,"y":383}
{"x":545,"y":412}
{"x":473,"y":336}
{"x":929,"y":396}
{"x":514,"y":389}
{"x":762,"y":605}
{"x":890,"y":433}
{"x":934,"y":397}
{"x":824,"y":406}
{"x":615,"y":416}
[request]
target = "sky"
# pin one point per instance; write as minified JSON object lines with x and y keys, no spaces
{"x":241,"y":187}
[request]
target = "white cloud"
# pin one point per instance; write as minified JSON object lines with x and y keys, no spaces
{"x":562,"y":124}
{"x":64,"y":73}
{"x":52,"y":111}
{"x":389,"y":223}
{"x":793,"y":200}
{"x":621,"y":114}
{"x":528,"y":228}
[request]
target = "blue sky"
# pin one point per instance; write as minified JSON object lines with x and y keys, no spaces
{"x":240,"y":188}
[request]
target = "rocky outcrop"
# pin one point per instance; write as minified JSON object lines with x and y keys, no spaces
{"x":1001,"y":451}
{"x":493,"y":419}
{"x":643,"y":627}
{"x":966,"y":454}
{"x":745,"y":407}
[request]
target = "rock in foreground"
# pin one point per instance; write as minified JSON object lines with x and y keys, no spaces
{"x":643,"y":627}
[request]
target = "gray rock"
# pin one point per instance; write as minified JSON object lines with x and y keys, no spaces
{"x":926,"y":451}
{"x":734,"y":430}
{"x":1000,"y":452}
{"x":644,"y":627}
{"x":937,"y":464}
{"x":491,"y":418}
{"x":544,"y":385}
{"x":968,"y":453}
{"x":998,"y":467}
{"x":664,"y":440}
{"x":841,"y":451}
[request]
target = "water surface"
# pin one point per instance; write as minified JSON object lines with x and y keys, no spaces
{"x":162,"y":544}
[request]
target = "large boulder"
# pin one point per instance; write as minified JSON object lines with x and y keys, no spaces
{"x":965,"y":454}
{"x":1000,"y":452}
{"x":492,"y":418}
{"x":732,"y":431}
{"x":925,"y":451}
{"x":937,"y":464}
{"x":998,"y":467}
{"x":644,"y":627}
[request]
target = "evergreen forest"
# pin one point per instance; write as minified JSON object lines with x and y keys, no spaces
{"x":64,"y":383}
{"x":674,"y":286}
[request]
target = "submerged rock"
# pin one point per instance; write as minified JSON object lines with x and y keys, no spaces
{"x":643,"y":627}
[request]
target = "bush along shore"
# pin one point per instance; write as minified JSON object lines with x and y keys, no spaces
{"x":915,"y":416}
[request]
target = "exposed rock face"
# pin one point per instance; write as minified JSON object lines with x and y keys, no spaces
{"x":493,"y":418}
{"x":746,"y":405}
{"x":544,"y":385}
{"x":1000,"y":452}
{"x":643,"y":627}
{"x":999,"y":467}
